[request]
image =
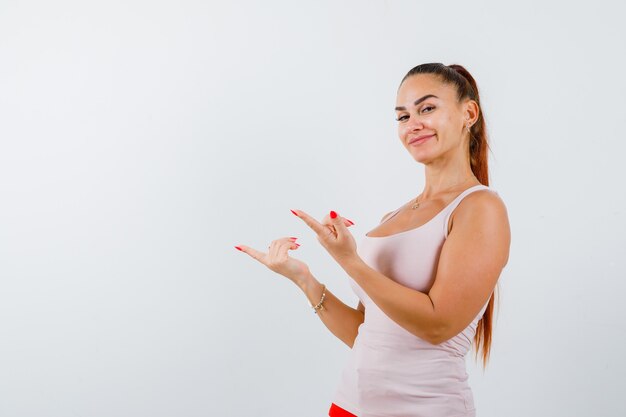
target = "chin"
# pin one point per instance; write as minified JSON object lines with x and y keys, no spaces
{"x":423,"y":157}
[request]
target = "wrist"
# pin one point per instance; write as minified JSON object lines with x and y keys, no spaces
{"x":307,"y":282}
{"x":313,"y":290}
{"x":352,"y":265}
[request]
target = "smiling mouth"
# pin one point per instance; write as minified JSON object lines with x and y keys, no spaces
{"x":419,"y":140}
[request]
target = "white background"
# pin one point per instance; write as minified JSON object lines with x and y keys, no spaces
{"x":141,"y":140}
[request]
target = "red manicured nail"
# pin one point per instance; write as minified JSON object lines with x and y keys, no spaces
{"x":351,"y":222}
{"x":297,"y":245}
{"x":239,"y":248}
{"x":294,"y":212}
{"x":293,"y":238}
{"x":333,"y":214}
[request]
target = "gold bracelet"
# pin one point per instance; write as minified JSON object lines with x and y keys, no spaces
{"x":319,"y":305}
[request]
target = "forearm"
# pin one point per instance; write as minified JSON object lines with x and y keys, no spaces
{"x":342,"y":320}
{"x":411,"y":309}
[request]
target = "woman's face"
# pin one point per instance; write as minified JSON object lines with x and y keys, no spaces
{"x":426,"y":107}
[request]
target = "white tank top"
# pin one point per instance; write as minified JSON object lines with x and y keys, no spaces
{"x":390,"y":371}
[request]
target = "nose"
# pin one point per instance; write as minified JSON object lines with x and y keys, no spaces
{"x":415,"y":124}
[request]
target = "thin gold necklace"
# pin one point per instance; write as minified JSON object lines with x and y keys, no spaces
{"x":417,"y":202}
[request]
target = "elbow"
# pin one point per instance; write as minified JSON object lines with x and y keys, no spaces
{"x":439,"y":334}
{"x":433,"y":340}
{"x":437,"y":340}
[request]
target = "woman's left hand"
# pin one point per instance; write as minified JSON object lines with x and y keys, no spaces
{"x":333,"y":235}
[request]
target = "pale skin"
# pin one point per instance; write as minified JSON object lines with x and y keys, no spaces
{"x":472,"y":257}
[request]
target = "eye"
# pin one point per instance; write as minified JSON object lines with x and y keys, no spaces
{"x":428,"y":107}
{"x":399,"y":119}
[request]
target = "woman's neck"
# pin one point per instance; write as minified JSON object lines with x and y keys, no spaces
{"x":441,"y":182}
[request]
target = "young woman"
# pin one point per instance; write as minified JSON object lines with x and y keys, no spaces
{"x":425,"y":276}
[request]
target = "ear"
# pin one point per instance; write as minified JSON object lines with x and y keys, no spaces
{"x":471,"y":111}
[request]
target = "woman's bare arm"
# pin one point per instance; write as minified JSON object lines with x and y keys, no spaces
{"x":342,"y":320}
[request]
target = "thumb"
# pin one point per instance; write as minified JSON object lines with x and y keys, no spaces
{"x":338,"y":222}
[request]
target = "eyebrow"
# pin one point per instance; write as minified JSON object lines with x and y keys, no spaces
{"x":418,"y":101}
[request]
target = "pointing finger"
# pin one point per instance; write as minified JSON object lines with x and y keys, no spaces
{"x":318,"y":228}
{"x":258,"y":255}
{"x":262,"y":256}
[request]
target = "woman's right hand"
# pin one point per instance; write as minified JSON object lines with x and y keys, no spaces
{"x":278,"y":260}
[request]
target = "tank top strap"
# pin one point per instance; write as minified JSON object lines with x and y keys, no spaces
{"x":450,"y":208}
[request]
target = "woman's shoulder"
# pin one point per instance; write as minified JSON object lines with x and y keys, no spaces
{"x":484,"y":202}
{"x":486,"y":195}
{"x":483,"y":213}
